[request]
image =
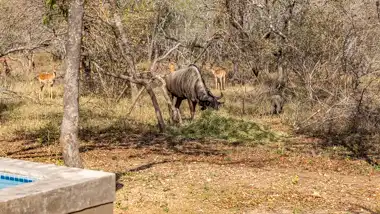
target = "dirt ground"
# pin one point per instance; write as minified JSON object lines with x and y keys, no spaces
{"x":156,"y":175}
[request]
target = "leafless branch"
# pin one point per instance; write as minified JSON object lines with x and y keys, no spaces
{"x":209,"y":42}
{"x":157,"y":60}
{"x":167,"y":53}
{"x":26,"y":48}
{"x":122,"y":92}
{"x":274,"y":30}
{"x":135,"y":101}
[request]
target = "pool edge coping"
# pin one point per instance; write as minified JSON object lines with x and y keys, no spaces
{"x":52,"y":184}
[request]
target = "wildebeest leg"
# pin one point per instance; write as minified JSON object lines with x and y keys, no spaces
{"x":274,"y":108}
{"x":178,"y":102}
{"x":277,"y":103}
{"x":192,"y":106}
{"x":176,"y":114}
{"x":170,"y":108}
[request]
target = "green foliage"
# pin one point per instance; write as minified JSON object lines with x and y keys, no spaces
{"x":54,"y":10}
{"x":46,"y":19}
{"x":212,"y":125}
{"x":50,"y":3}
{"x":59,"y":162}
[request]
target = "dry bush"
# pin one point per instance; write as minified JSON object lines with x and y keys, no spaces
{"x":332,"y":67}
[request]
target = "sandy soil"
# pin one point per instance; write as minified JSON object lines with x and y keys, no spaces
{"x":211,"y":177}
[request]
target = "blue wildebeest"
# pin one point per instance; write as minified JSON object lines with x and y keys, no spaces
{"x":187,"y":83}
{"x":277,"y":102}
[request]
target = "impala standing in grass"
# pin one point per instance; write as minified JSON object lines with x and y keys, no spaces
{"x":171,"y":67}
{"x":219,"y":76}
{"x":46,"y":79}
{"x":6,"y":67}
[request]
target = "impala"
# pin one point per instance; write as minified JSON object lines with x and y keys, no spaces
{"x":46,"y":79}
{"x":6,"y":67}
{"x":219,"y":76}
{"x":171,"y":67}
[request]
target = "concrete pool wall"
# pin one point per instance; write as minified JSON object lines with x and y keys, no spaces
{"x":57,"y":189}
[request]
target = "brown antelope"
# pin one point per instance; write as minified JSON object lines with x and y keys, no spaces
{"x":7,"y":69}
{"x":46,"y":79}
{"x":219,"y":76}
{"x":171,"y":67}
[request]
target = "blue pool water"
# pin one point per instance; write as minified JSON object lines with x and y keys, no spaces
{"x":8,"y":180}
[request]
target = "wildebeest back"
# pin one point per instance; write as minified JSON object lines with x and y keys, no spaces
{"x":187,"y":83}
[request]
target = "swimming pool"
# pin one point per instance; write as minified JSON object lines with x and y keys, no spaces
{"x":47,"y":188}
{"x":9,"y":180}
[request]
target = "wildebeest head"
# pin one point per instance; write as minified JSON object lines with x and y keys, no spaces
{"x":212,"y":101}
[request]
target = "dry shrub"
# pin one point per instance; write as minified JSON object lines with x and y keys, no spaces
{"x":331,"y":60}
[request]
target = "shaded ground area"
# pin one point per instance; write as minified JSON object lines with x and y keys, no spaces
{"x":162,"y":174}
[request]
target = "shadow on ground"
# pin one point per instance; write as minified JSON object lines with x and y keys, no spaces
{"x":193,"y":138}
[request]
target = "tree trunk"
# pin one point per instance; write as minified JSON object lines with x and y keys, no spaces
{"x":29,"y":55}
{"x":31,"y":64}
{"x":69,"y":128}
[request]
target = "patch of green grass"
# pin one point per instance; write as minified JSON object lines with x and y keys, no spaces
{"x":214,"y":126}
{"x":59,"y":162}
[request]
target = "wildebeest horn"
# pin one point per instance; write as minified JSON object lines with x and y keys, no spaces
{"x":221,"y":96}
